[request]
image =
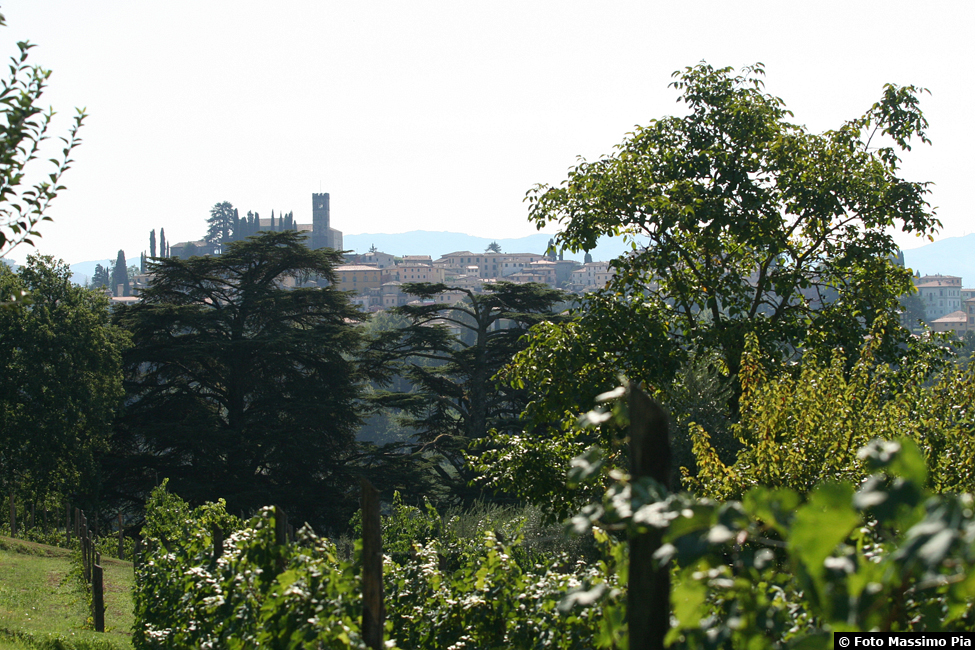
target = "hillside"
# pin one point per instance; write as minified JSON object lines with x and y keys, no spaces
{"x":81,"y":272}
{"x":436,"y":244}
{"x":949,"y":256}
{"x":41,"y":603}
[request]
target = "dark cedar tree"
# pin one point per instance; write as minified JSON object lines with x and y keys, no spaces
{"x":239,"y":387}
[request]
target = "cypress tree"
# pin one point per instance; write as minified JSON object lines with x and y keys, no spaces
{"x":162,"y":243}
{"x":152,"y":243}
{"x":120,"y":276}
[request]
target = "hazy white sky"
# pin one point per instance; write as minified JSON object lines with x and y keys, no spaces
{"x":438,"y":115}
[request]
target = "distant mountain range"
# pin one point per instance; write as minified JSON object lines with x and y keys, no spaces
{"x":82,"y":271}
{"x":949,"y":256}
{"x":437,"y":244}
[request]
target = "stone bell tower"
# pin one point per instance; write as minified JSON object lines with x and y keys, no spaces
{"x":321,"y":221}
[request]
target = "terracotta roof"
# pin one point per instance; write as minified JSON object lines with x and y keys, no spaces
{"x":953,"y":317}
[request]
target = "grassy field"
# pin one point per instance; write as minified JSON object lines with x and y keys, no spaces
{"x":42,"y":605}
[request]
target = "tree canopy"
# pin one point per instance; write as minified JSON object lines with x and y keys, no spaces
{"x":745,"y":226}
{"x":221,"y":223}
{"x":60,"y":380}
{"x":744,"y":222}
{"x":450,"y":353}
{"x":241,"y":383}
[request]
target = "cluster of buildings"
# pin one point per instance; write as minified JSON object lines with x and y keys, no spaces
{"x":947,"y":305}
{"x":378,"y":278}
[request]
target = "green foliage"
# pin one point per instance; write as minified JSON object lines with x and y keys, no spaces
{"x":781,"y":568}
{"x":43,"y":603}
{"x":493,"y":602}
{"x":60,"y":380}
{"x":23,"y":127}
{"x":221,"y":223}
{"x":302,"y":595}
{"x":106,"y":545}
{"x":913,"y":314}
{"x":742,"y":224}
{"x":449,"y":354}
{"x":764,"y":227}
{"x":459,"y":534}
{"x":239,"y":387}
{"x":120,"y":276}
{"x":606,"y":337}
{"x":102,"y":277}
{"x":803,"y":425}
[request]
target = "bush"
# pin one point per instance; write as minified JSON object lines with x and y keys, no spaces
{"x":803,"y":425}
{"x":441,"y":590}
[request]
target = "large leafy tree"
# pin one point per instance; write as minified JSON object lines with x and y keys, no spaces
{"x":220,"y":223}
{"x":240,"y":387}
{"x":449,"y":353}
{"x":101,"y":278}
{"x":23,"y":128}
{"x":60,"y":381}
{"x":743,"y":224}
{"x":748,"y":223}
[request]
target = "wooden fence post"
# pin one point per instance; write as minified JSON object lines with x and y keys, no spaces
{"x":373,"y":609}
{"x":280,"y":533}
{"x":98,"y":597}
{"x":217,"y":542}
{"x":121,"y":539}
{"x":86,"y":556}
{"x":648,"y":598}
{"x":13,"y":516}
{"x":280,"y":526}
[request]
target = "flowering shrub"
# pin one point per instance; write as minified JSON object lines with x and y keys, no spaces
{"x":445,"y":592}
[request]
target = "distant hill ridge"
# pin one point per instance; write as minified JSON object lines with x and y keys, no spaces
{"x":437,"y":244}
{"x":949,"y":256}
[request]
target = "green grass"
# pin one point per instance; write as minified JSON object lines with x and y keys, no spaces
{"x":42,"y":605}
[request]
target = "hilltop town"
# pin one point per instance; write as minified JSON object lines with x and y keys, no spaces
{"x":377,"y":277}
